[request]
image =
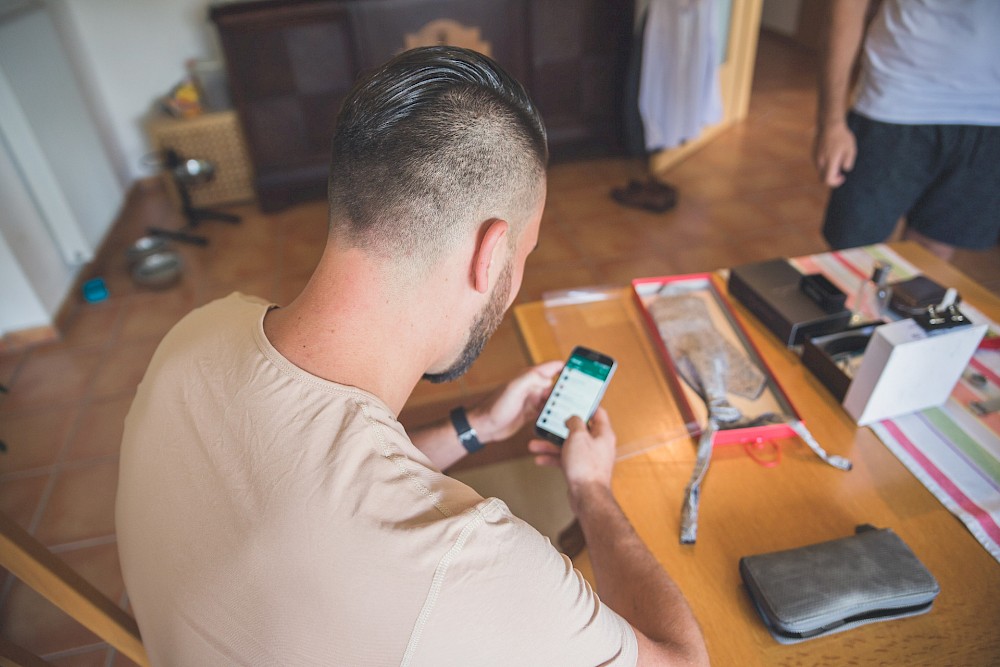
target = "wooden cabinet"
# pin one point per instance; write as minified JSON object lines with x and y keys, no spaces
{"x":291,"y":62}
{"x":579,"y":51}
{"x":290,"y":65}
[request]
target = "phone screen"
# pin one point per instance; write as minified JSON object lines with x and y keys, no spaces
{"x":578,"y":391}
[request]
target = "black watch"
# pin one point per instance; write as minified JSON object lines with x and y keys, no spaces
{"x":466,"y":434}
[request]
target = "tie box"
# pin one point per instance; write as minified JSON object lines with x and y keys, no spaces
{"x":767,"y":416}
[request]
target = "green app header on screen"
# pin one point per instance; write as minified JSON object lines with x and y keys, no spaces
{"x":593,"y":368}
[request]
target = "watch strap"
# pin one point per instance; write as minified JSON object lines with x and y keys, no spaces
{"x":466,"y":434}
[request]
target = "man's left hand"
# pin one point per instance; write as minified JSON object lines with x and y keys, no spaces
{"x":511,"y":407}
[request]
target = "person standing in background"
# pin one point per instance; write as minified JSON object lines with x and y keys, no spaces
{"x":922,"y":138}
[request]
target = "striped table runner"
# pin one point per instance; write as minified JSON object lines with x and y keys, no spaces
{"x":953,"y":451}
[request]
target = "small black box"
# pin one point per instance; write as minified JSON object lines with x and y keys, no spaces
{"x":826,"y":295}
{"x":912,"y":297}
{"x":770,"y":290}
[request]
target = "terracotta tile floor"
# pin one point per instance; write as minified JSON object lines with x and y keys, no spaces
{"x":750,"y":195}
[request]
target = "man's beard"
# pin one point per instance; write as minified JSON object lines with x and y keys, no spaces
{"x":484,"y":327}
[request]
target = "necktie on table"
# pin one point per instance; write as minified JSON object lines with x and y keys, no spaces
{"x":713,"y":367}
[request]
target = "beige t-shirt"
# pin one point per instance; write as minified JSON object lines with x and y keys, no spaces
{"x":266,"y":516}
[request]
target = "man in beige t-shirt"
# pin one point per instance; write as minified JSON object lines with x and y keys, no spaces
{"x":272,"y":510}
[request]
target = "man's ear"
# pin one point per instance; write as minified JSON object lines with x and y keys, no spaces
{"x":488,"y":250}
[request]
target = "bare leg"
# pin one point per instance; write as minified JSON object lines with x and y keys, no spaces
{"x":937,"y":248}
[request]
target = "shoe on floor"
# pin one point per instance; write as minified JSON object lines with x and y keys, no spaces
{"x":650,"y":196}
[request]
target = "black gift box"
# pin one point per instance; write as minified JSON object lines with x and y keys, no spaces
{"x":822,"y":353}
{"x":771,"y":291}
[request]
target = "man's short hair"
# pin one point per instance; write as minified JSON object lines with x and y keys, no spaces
{"x":435,"y":140}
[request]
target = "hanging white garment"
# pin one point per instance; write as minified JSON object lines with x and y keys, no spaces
{"x":679,"y":82}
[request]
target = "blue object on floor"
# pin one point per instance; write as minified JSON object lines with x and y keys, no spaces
{"x":95,"y":290}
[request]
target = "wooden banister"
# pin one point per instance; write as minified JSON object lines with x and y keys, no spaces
{"x":29,"y":560}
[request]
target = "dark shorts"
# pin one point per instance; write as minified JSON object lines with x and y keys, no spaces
{"x":945,"y":179}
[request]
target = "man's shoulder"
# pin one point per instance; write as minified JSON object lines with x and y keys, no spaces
{"x":233,"y":305}
{"x":217,"y":320}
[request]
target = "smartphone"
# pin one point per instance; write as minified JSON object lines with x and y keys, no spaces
{"x":578,"y":391}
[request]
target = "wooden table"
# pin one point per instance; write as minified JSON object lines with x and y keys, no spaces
{"x":748,"y":509}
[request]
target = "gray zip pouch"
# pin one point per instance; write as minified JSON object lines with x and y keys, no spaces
{"x":833,"y":586}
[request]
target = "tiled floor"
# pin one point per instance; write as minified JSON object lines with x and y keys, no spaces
{"x":750,"y":195}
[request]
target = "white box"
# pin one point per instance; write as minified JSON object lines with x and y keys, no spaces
{"x":905,"y":369}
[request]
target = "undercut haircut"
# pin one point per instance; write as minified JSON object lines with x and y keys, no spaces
{"x":435,"y":141}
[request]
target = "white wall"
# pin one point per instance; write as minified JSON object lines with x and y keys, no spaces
{"x":83,"y":76}
{"x":37,"y":70}
{"x":33,"y":284}
{"x":58,"y":192}
{"x":781,"y":16}
{"x":22,"y":309}
{"x":127,"y":53}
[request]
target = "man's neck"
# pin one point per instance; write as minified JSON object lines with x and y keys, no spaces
{"x":349,"y":326}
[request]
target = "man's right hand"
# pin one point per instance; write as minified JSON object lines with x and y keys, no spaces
{"x":834,"y":153}
{"x":587,"y":457}
{"x":629,"y":578}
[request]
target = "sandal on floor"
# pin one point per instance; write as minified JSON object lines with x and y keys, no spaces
{"x":650,"y":196}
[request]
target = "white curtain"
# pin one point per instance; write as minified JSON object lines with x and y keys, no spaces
{"x":679,"y":82}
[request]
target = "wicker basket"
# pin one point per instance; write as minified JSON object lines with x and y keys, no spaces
{"x":215,"y":137}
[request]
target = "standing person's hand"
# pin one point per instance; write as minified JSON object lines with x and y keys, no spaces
{"x":834,"y":153}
